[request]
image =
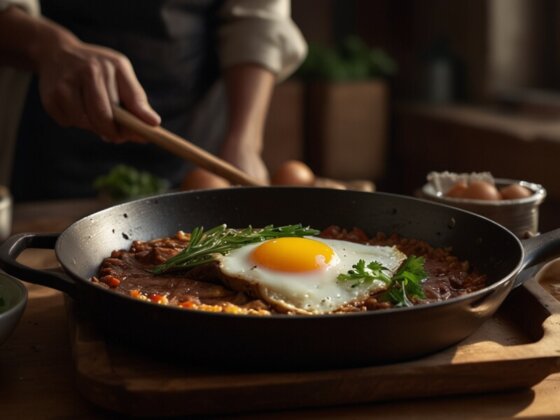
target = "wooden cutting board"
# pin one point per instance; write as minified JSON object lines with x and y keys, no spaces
{"x":517,"y":348}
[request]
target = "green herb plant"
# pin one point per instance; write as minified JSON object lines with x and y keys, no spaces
{"x":126,"y":183}
{"x":205,"y":245}
{"x":351,"y":60}
{"x":402,"y":288}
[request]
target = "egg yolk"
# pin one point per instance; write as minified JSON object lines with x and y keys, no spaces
{"x":292,"y":254}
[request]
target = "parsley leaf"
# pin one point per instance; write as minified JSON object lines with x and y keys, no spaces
{"x":406,"y":284}
{"x":402,"y":288}
{"x":362,"y":274}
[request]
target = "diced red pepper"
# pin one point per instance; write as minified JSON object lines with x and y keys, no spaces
{"x":111,"y":281}
{"x":155,"y":297}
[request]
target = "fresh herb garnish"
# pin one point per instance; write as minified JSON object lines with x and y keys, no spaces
{"x":203,"y":245}
{"x":405,"y":285}
{"x":407,"y":282}
{"x":362,"y":274}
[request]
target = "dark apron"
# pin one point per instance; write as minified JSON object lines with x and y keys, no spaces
{"x":171,"y":47}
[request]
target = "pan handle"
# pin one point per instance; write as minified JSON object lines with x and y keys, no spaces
{"x":12,"y":247}
{"x":538,"y":249}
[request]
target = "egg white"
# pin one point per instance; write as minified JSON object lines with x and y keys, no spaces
{"x":314,"y":292}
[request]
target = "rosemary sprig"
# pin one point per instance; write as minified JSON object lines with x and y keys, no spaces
{"x":203,"y":246}
{"x":402,"y":288}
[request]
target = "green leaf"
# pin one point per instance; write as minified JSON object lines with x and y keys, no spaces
{"x":403,"y":288}
{"x":406,"y":284}
{"x":362,"y":274}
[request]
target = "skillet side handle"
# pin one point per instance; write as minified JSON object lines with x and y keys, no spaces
{"x":12,"y":247}
{"x":538,"y":249}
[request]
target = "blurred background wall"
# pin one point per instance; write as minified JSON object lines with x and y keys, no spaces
{"x":476,"y":90}
{"x":497,"y":43}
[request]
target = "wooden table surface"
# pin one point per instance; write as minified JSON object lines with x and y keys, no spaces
{"x":37,"y":377}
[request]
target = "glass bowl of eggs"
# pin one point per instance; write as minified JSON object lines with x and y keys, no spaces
{"x":512,"y":203}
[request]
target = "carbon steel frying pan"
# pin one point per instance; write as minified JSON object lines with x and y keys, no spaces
{"x":282,"y":341}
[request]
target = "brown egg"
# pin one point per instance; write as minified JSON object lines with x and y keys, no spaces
{"x":457,"y":190}
{"x":293,"y":172}
{"x":514,"y":191}
{"x":202,"y":179}
{"x":481,"y":190}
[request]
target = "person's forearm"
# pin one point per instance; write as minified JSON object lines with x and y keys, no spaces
{"x":249,"y":88}
{"x":24,"y":38}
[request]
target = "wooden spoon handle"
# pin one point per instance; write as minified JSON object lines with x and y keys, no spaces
{"x":182,"y":148}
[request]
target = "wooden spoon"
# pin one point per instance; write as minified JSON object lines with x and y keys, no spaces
{"x":182,"y":148}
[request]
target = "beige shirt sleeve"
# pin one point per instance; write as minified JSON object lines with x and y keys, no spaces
{"x":13,"y":89}
{"x":31,"y":6}
{"x":261,"y":32}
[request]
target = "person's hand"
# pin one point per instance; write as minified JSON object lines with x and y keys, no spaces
{"x":246,"y":158}
{"x":79,"y":82}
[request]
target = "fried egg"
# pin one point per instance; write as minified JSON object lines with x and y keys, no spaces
{"x":299,"y":275}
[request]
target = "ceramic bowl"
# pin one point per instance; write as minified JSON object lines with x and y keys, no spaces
{"x":13,"y":298}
